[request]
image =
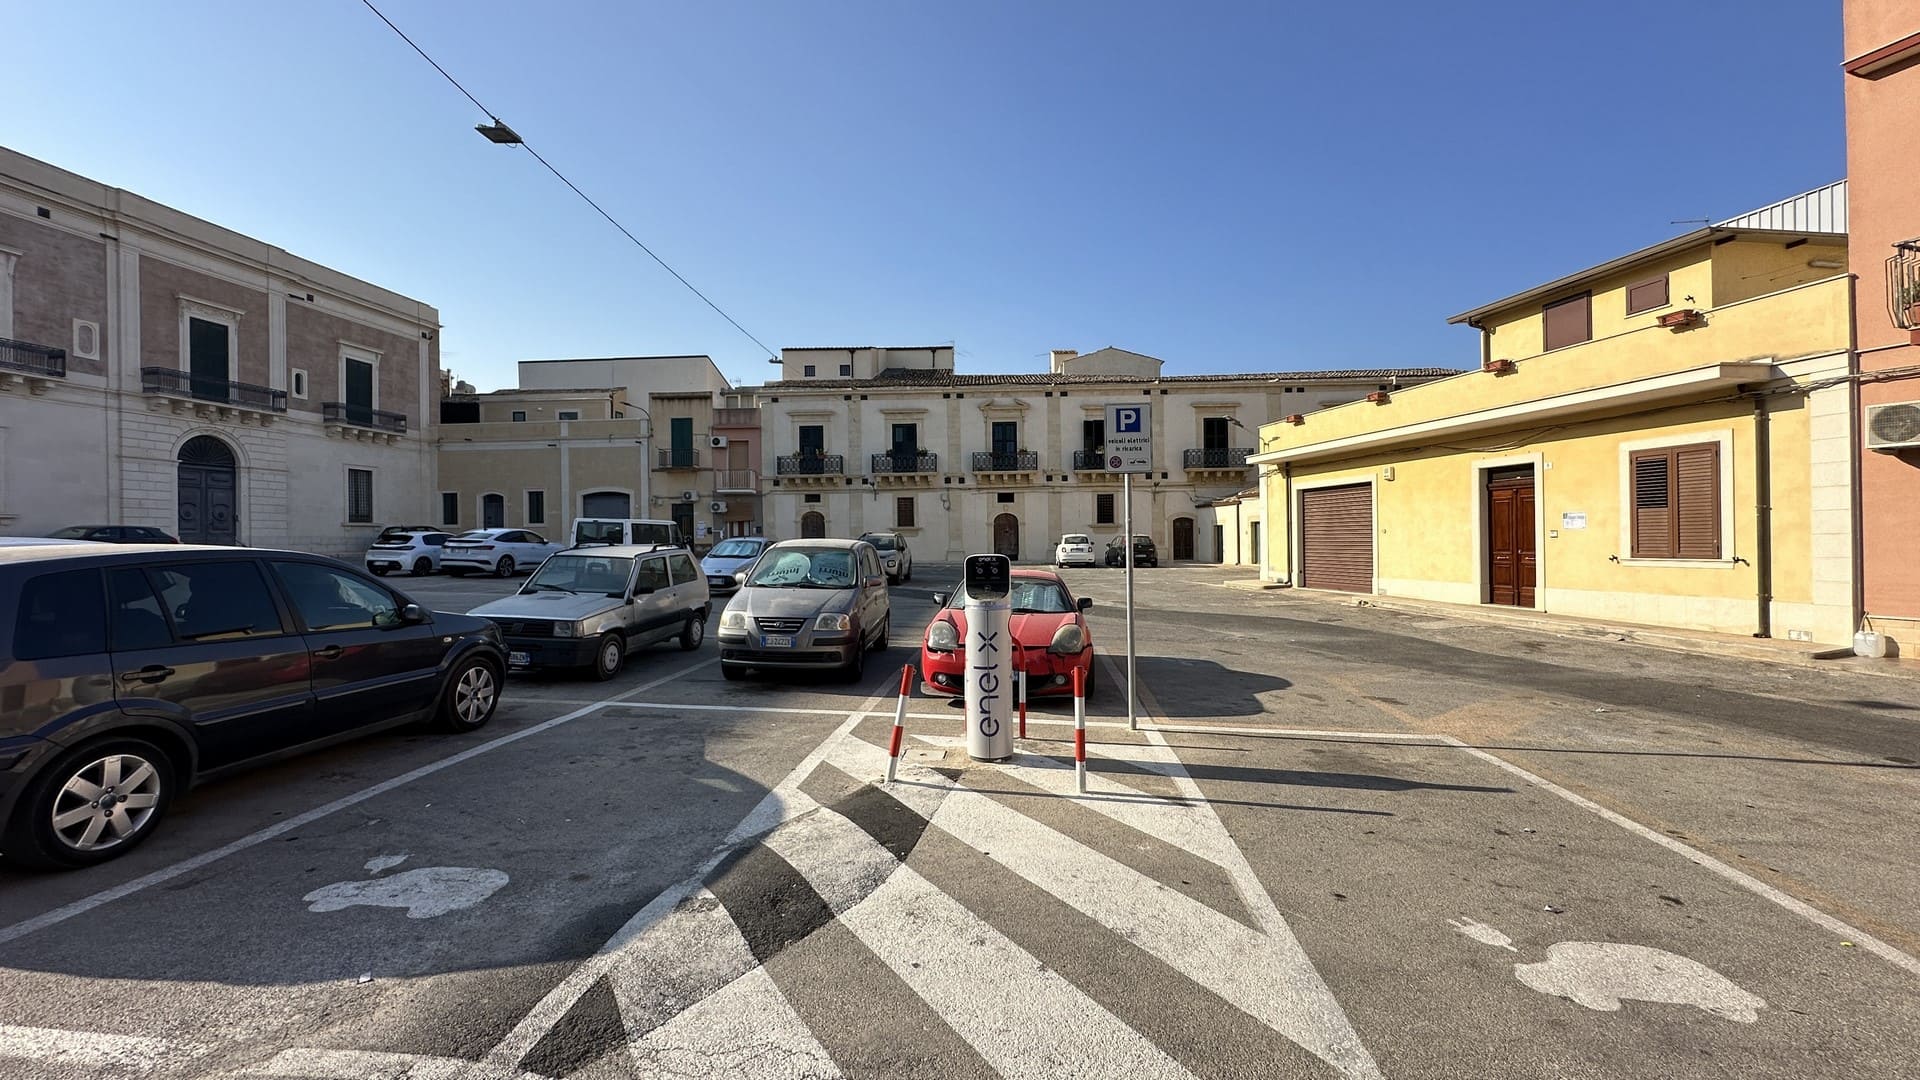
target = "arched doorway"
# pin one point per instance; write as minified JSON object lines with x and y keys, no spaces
{"x":813,"y":525}
{"x":1183,"y":538}
{"x":208,"y":492}
{"x":1006,"y":536}
{"x":612,"y":505}
{"x":493,"y":512}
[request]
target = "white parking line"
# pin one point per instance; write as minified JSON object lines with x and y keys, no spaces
{"x":186,"y":866}
{"x":87,"y":1048}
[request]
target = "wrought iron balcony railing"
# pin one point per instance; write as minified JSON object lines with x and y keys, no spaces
{"x":1089,"y":461}
{"x":1216,"y":457}
{"x":736,"y":480}
{"x":1903,"y":285}
{"x":810,"y":465}
{"x":174,"y":382}
{"x":906,"y":461}
{"x":1005,"y":461}
{"x":363,"y":416}
{"x":679,"y":457}
{"x":24,"y":356}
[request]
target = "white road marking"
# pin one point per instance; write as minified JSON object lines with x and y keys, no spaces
{"x":88,"y":1048}
{"x":747,"y":1028}
{"x":189,"y":865}
{"x":305,"y":1064}
{"x":1482,"y":933}
{"x":384,"y":862}
{"x":1599,"y":974}
{"x":427,"y":892}
{"x":1033,"y":720}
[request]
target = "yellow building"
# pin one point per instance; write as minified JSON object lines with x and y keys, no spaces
{"x":1661,"y":439}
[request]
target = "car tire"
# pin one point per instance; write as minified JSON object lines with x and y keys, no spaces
{"x":32,"y":839}
{"x":893,"y":579}
{"x":732,"y":672}
{"x":856,"y":667}
{"x":378,"y":571}
{"x":886,"y":630}
{"x":608,"y":656}
{"x":694,"y":632}
{"x":470,"y":696}
{"x":422,"y":566}
{"x":1093,"y":670}
{"x":503,"y":568}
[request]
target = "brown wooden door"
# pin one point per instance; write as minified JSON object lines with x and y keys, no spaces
{"x":813,"y":525}
{"x":1183,"y":538}
{"x":1511,"y":549}
{"x":1336,"y":538}
{"x":1006,"y":536}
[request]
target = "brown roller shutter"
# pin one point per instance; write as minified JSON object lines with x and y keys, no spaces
{"x":1336,"y":538}
{"x":1696,"y":483}
{"x":1567,"y":322}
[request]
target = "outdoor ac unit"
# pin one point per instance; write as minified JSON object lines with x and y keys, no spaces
{"x":689,"y":496}
{"x":1893,"y":427}
{"x":716,"y":507}
{"x":718,"y":442}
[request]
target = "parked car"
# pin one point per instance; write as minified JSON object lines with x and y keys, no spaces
{"x":1144,"y":553}
{"x":415,"y":550}
{"x":1074,"y":549}
{"x":592,"y":532}
{"x":1048,"y":625}
{"x":495,"y":551}
{"x":589,"y":608}
{"x":114,"y":534}
{"x":895,"y":557}
{"x":132,"y":674}
{"x":727,"y":564}
{"x":808,"y":604}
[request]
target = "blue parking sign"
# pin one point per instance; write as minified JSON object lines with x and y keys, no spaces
{"x":1129,"y":446}
{"x":1128,"y":419}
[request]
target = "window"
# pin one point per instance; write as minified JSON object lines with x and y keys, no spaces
{"x":683,"y":569}
{"x":356,"y":383}
{"x":903,"y":512}
{"x":567,"y":414}
{"x":813,"y":440}
{"x":1006,"y":438}
{"x":846,"y":370}
{"x":1676,"y":502}
{"x":86,"y":340}
{"x":359,"y":496}
{"x":1004,"y":496}
{"x":1103,"y":509}
{"x":1093,"y":435}
{"x":652,"y":575}
{"x":1568,"y":322}
{"x":216,"y":601}
{"x":209,"y":357}
{"x":1214,"y":434}
{"x":536,"y":508}
{"x":807,"y":371}
{"x":329,"y":599}
{"x":138,"y":622}
{"x":1647,"y":295}
{"x":519,"y":416}
{"x":812,"y":497}
{"x":62,"y":614}
{"x":449,"y":508}
{"x":299,"y":383}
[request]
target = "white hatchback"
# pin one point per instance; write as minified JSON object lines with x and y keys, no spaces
{"x":500,"y":552}
{"x":1075,"y":549}
{"x":414,"y":550}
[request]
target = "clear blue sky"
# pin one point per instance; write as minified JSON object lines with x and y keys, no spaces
{"x":1258,"y":187}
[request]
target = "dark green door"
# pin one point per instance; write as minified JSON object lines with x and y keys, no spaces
{"x":359,"y":392}
{"x":680,"y":432}
{"x":208,"y":359}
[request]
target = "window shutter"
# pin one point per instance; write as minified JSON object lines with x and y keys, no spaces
{"x":1652,"y":505}
{"x":1696,"y":488}
{"x":1647,"y":295}
{"x":1568,"y":322}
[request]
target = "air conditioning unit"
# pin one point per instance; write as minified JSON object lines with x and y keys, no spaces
{"x":718,"y":442}
{"x":717,"y":506}
{"x":1893,"y":427}
{"x":689,"y":496}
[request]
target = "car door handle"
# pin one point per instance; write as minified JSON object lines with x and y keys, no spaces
{"x":331,"y":652}
{"x":152,"y":673}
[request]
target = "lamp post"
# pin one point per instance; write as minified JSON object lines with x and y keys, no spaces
{"x":646,"y":458}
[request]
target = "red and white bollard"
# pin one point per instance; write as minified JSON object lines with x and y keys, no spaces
{"x":1080,"y":731}
{"x":1022,"y":676}
{"x":899,"y":721}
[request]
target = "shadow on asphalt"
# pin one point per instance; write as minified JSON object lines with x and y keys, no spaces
{"x":1203,"y":688}
{"x":1293,"y":777}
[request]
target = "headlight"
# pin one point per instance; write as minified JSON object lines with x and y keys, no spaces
{"x":942,"y":636}
{"x":832,"y":621}
{"x":733,"y":620}
{"x":566,"y":629}
{"x":1068,"y":640}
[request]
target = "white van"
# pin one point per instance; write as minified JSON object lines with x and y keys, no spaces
{"x":600,"y":532}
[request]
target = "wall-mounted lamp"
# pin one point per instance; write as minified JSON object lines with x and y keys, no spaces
{"x":1826,"y":264}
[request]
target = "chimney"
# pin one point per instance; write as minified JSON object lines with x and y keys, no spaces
{"x":1059,"y":358}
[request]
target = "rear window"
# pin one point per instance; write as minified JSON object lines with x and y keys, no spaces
{"x":884,"y":543}
{"x":63,"y":614}
{"x":394,"y":536}
{"x":1075,"y":538}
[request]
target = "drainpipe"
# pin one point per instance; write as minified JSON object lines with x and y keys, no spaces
{"x":1763,"y":516}
{"x":1286,"y":488}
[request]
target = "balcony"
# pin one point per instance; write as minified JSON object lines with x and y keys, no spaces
{"x":1903,"y":286}
{"x":1005,"y":465}
{"x":736,"y":418}
{"x":361,"y":421}
{"x":1216,"y":459}
{"x":679,"y":457}
{"x":905,"y":468}
{"x":810,"y":469}
{"x":209,"y":396}
{"x":1089,"y":461}
{"x":24,"y":362}
{"x":736,"y":481}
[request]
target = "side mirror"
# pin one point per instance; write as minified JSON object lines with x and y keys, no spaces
{"x":941,"y":598}
{"x":1086,"y":602}
{"x":413,"y":614}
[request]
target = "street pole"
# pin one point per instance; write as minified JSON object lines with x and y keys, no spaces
{"x":1126,"y":542}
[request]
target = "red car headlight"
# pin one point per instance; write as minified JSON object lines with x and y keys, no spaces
{"x":942,"y":636}
{"x":1068,"y":640}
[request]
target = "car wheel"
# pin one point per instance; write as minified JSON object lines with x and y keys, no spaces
{"x":909,"y":572}
{"x":378,"y":571}
{"x":695,"y":632}
{"x":94,"y":803}
{"x":608,"y":656}
{"x":422,"y":566}
{"x":893,"y":579}
{"x":472,"y":692}
{"x":1092,"y":677}
{"x":503,"y":568}
{"x":856,"y":668}
{"x":732,"y":672}
{"x":886,"y":631}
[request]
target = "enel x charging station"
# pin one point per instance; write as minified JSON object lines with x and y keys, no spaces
{"x":989,"y":676}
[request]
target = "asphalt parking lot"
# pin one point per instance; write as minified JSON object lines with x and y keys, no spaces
{"x":1356,"y":843}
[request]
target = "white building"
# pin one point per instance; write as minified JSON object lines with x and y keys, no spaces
{"x":870,"y":438}
{"x":159,"y":370}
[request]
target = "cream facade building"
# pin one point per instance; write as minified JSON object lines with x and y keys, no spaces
{"x":878,"y":438}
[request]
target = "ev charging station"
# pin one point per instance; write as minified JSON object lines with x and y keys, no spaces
{"x":989,"y":674}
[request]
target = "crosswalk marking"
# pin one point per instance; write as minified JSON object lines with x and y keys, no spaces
{"x":746,"y":1029}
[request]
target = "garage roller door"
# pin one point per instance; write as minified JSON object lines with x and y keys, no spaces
{"x":1336,"y":538}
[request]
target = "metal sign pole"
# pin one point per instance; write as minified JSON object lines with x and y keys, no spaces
{"x":1126,"y":517}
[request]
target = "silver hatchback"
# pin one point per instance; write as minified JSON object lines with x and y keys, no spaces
{"x":808,"y":604}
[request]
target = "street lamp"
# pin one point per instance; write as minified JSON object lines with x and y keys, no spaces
{"x":646,"y":457}
{"x":499,"y":133}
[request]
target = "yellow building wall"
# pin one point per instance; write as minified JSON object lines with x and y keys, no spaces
{"x":1516,"y":334}
{"x":1743,"y":269}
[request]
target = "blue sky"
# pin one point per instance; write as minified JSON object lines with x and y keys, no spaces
{"x":1228,"y":187}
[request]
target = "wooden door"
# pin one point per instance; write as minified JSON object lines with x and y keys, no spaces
{"x":1183,"y":538}
{"x":1006,"y":536}
{"x":1336,"y":538}
{"x":208,"y":493}
{"x":1511,"y":550}
{"x":813,"y":525}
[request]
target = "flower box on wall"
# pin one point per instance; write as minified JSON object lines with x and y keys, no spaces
{"x":1379,"y":397}
{"x":1681,"y":319}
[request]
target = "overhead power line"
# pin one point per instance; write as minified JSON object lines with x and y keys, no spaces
{"x":501,"y":133}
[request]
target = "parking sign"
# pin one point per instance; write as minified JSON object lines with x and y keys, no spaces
{"x":1129,"y":438}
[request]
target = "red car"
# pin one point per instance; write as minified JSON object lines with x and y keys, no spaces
{"x":1049,"y":628}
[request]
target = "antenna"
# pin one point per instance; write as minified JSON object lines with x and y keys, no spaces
{"x":1692,"y":221}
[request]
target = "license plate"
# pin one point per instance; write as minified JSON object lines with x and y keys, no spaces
{"x":519,"y":659}
{"x":777,"y":641}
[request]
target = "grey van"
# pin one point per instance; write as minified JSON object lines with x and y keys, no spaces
{"x":587,"y":608}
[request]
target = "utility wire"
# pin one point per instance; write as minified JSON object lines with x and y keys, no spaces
{"x":575,"y":188}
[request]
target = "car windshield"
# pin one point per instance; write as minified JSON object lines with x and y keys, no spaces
{"x":580,"y":574}
{"x":72,"y":532}
{"x":735,"y":549}
{"x":1075,"y":538}
{"x":884,"y":543}
{"x":804,"y":568}
{"x":1028,"y":597}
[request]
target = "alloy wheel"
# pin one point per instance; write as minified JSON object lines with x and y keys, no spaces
{"x":106,"y":802}
{"x":473,"y":695}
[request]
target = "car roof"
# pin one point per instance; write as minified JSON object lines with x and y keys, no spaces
{"x":77,"y":550}
{"x":624,"y":551}
{"x":831,"y":543}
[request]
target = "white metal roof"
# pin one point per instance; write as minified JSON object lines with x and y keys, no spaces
{"x":1822,"y":210}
